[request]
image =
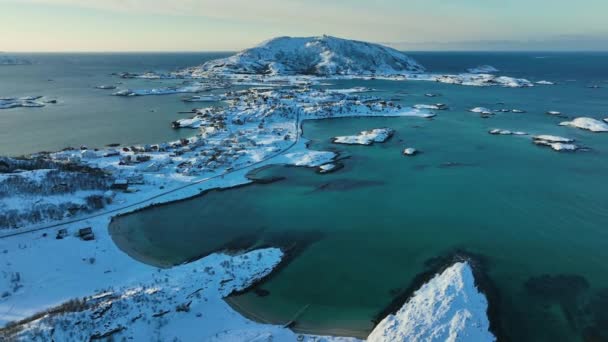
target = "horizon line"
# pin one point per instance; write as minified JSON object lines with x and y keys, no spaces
{"x":236,"y":51}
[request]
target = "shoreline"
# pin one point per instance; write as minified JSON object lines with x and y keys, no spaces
{"x":109,"y":255}
{"x":99,"y":221}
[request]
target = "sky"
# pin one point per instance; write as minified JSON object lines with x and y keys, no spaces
{"x":230,"y":25}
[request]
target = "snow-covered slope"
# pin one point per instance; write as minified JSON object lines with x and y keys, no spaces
{"x":447,"y":308}
{"x":320,"y":56}
{"x":589,"y":124}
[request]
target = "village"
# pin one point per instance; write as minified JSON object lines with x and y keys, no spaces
{"x":257,"y":124}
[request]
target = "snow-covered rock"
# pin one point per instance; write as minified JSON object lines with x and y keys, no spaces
{"x":106,"y":87}
{"x":327,"y":168}
{"x":27,"y":101}
{"x":194,"y":122}
{"x":410,"y":151}
{"x":320,"y":56}
{"x":481,"y":110}
{"x":447,"y":308}
{"x":366,"y":137}
{"x":482,"y":80}
{"x":557,"y":143}
{"x":497,"y":131}
{"x":552,"y":138}
{"x":203,"y":98}
{"x":589,"y":124}
{"x":195,"y":88}
{"x":437,"y":106}
{"x":483,"y":69}
{"x":557,"y":146}
{"x":309,"y":158}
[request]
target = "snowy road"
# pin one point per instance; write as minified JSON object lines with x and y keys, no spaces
{"x":138,"y":203}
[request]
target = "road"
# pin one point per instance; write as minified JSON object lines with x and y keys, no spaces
{"x":143,"y":201}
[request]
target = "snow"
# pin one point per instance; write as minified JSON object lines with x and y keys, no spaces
{"x":308,"y":158}
{"x":553,"y":112}
{"x":479,"y":80}
{"x":483,"y":69}
{"x":14,"y":102}
{"x":352,"y":90}
{"x":202,"y":85}
{"x":589,"y":124}
{"x":552,"y":138}
{"x":481,"y":110}
{"x":320,"y":56}
{"x":326,"y":168}
{"x":288,"y":61}
{"x":410,"y":151}
{"x":447,"y":308}
{"x":204,"y":98}
{"x":497,"y":131}
{"x":258,"y":127}
{"x":106,"y":87}
{"x":543,"y":82}
{"x":366,"y":137}
{"x":220,"y":155}
{"x":143,"y":303}
{"x":437,"y":106}
{"x":563,"y":147}
{"x":555,"y":142}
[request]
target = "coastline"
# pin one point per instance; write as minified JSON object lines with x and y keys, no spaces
{"x":25,"y":260}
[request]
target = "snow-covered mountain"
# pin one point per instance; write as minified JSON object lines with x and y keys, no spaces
{"x":319,"y":56}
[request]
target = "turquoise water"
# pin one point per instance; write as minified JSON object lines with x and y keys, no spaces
{"x":528,"y":210}
{"x":85,"y":115}
{"x":373,"y":224}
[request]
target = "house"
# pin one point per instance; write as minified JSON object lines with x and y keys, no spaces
{"x":86,"y":234}
{"x":61,"y":233}
{"x":120,"y":184}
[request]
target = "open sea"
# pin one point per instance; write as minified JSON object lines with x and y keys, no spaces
{"x":537,"y":218}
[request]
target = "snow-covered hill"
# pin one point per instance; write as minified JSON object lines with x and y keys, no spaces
{"x":319,"y":56}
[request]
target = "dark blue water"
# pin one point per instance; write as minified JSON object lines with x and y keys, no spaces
{"x":85,"y":115}
{"x":557,"y":66}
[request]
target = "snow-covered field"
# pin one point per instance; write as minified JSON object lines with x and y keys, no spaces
{"x":91,"y":290}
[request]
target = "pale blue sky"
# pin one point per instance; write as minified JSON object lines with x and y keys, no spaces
{"x":196,"y":25}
